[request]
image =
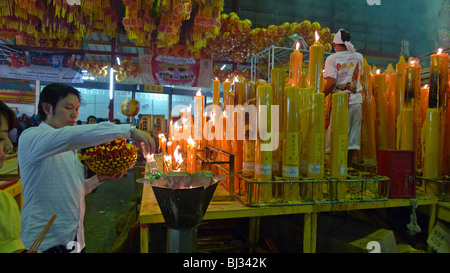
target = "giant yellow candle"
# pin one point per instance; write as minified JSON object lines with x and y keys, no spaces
{"x":430,"y":134}
{"x":368,"y":132}
{"x":304,"y":106}
{"x":315,"y":146}
{"x":216,"y":92}
{"x":226,"y":142}
{"x":437,"y":99}
{"x":412,"y":99}
{"x":438,"y":79}
{"x":412,"y":83}
{"x":290,"y":158}
{"x":226,"y":92}
{"x":379,"y":92}
{"x":405,"y":127}
{"x":278,"y":76}
{"x":339,"y":144}
{"x":316,"y":57}
{"x":238,"y":142}
{"x":170,"y":130}
{"x":339,"y":136}
{"x":420,"y":111}
{"x":295,"y":66}
{"x":400,"y":68}
{"x":263,"y":159}
{"x":391,"y":86}
{"x":248,"y":150}
{"x":199,"y":119}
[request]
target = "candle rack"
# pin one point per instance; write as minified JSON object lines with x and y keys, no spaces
{"x":274,"y":56}
{"x":225,"y":166}
{"x":358,"y":187}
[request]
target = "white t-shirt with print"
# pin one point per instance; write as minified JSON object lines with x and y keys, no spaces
{"x":342,"y":67}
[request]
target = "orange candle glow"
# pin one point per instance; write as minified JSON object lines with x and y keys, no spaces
{"x":382,"y":125}
{"x":216,"y":92}
{"x":191,"y":164}
{"x":391,"y":90}
{"x":295,"y":66}
{"x":438,"y":79}
{"x":199,"y":120}
{"x":316,"y":57}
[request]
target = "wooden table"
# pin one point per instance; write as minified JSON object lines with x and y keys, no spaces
{"x":150,"y":213}
{"x":443,"y":211}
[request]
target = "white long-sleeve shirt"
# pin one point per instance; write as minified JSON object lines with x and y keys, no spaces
{"x":53,"y":180}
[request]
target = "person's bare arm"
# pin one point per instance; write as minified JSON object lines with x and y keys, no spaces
{"x":331,"y":83}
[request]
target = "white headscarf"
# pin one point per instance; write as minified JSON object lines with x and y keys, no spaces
{"x":338,"y":40}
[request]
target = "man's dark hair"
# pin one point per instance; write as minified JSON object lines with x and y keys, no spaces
{"x":345,"y":35}
{"x":53,"y":93}
{"x":88,"y":118}
{"x":9,"y":115}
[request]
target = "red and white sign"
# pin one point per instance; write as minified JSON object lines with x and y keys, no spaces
{"x":176,"y":71}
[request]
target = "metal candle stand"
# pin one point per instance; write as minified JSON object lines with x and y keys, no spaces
{"x":207,"y":160}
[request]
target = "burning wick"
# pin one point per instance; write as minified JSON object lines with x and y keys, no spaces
{"x":439,"y":51}
{"x":316,"y":35}
{"x":297,"y":45}
{"x":378,"y":71}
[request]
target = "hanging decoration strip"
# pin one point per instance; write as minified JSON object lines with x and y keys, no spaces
{"x":56,"y":19}
{"x":189,"y":28}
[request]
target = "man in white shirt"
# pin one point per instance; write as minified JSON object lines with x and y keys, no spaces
{"x":52,"y":176}
{"x":342,"y":71}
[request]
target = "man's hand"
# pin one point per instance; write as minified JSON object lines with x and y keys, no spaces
{"x":104,"y":177}
{"x":143,"y":139}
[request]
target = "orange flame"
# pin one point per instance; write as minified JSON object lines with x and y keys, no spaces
{"x":168,"y":158}
{"x":177,"y":155}
{"x":191,"y":142}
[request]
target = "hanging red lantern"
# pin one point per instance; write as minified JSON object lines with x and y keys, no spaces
{"x":130,"y":107}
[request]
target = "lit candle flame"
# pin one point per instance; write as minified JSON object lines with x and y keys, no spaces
{"x":316,"y":35}
{"x":199,"y":92}
{"x":224,"y":113}
{"x":439,"y":51}
{"x":168,"y":158}
{"x":189,"y":108}
{"x":426,"y":86}
{"x":191,"y":142}
{"x":297,"y":46}
{"x":378,"y":71}
{"x":171,"y":122}
{"x":177,"y":155}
